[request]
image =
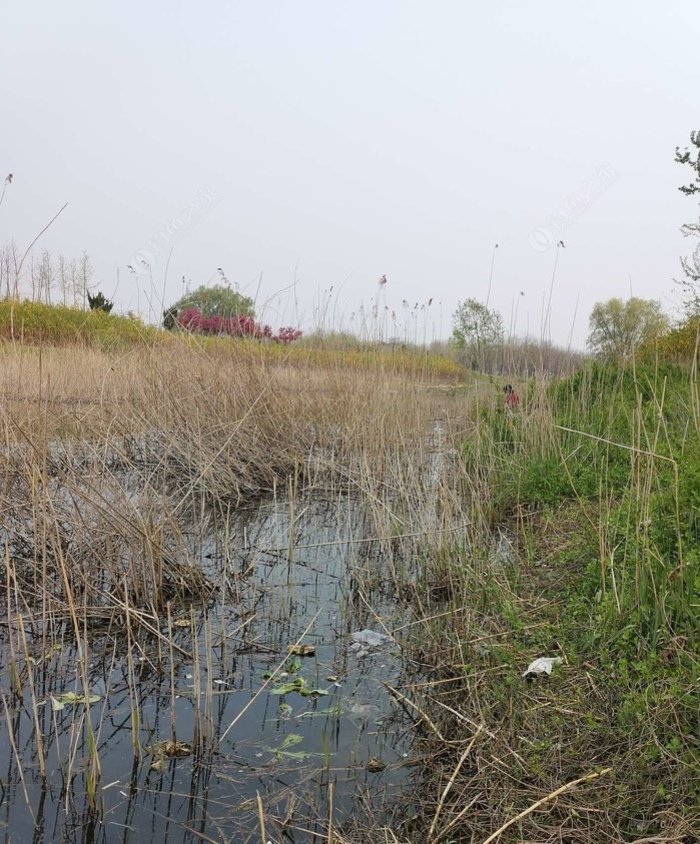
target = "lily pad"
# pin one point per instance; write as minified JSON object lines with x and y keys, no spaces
{"x":59,"y":702}
{"x":294,"y":685}
{"x":298,"y":685}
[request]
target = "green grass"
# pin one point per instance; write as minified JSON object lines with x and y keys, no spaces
{"x":596,"y":480}
{"x":35,"y":322}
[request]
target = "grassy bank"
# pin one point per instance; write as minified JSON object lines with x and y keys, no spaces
{"x":592,"y":487}
{"x":35,"y":324}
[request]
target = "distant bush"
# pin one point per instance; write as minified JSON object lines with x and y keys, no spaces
{"x":99,"y":302}
{"x":679,"y":345}
{"x":193,"y":320}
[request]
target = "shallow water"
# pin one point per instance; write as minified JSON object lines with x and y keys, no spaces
{"x":281,"y":569}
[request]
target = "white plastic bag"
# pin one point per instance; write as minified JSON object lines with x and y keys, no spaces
{"x":542,"y":665}
{"x":363,"y":640}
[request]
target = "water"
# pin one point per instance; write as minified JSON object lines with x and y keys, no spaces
{"x":281,"y":568}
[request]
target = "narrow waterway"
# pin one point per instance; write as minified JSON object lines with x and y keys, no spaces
{"x":279,"y":710}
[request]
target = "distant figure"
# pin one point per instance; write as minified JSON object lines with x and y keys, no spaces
{"x":512,"y":399}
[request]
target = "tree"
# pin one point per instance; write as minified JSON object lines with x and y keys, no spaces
{"x":617,"y":328}
{"x":691,"y":264}
{"x":170,"y":318}
{"x":476,"y":329}
{"x":217,"y":300}
{"x":99,"y":302}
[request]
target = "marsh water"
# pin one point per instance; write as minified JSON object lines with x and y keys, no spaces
{"x":296,"y":737}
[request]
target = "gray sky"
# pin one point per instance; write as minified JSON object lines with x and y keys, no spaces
{"x":338,"y":141}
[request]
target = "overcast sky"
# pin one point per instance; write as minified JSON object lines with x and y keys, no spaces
{"x":330,"y":143}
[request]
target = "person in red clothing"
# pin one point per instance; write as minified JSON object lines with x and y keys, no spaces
{"x":512,"y":399}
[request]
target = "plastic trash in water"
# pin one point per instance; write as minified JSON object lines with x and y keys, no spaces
{"x":542,"y":665}
{"x":369,"y":637}
{"x":364,"y":640}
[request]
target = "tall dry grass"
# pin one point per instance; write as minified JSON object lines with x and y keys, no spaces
{"x":507,"y":535}
{"x":113,"y":461}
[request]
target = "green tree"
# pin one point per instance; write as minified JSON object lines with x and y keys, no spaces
{"x":476,"y":330}
{"x":617,"y":328}
{"x":691,"y":264}
{"x":99,"y":302}
{"x":217,"y":300}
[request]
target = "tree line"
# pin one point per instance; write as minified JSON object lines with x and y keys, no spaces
{"x":616,"y":327}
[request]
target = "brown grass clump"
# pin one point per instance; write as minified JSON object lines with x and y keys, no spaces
{"x":183,"y":425}
{"x":115,"y":462}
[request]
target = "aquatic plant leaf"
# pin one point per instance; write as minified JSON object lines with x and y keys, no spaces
{"x":285,"y":710}
{"x":312,"y":692}
{"x":291,"y":740}
{"x":71,"y":698}
{"x":295,"y":754}
{"x":295,"y":685}
{"x":334,"y":711}
{"x":298,"y":685}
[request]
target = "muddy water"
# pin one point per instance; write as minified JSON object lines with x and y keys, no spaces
{"x":319,"y":738}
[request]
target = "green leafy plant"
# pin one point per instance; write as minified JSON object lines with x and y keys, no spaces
{"x":99,"y":302}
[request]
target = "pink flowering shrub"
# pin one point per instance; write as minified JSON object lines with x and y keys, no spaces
{"x":287,"y":334}
{"x":236,"y":326}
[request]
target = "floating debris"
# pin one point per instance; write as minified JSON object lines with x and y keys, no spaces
{"x":161,"y":751}
{"x":364,"y":640}
{"x":171,"y":748}
{"x":301,"y":650}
